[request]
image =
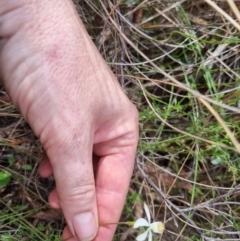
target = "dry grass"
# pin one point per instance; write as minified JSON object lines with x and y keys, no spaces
{"x":178,"y":62}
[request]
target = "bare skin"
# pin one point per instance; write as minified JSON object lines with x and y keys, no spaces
{"x":64,"y":89}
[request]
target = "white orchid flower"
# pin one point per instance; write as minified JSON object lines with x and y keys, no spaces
{"x":156,"y":227}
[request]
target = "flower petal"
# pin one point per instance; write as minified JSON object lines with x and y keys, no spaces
{"x":141,"y":222}
{"x":157,"y":227}
{"x":147,"y":212}
{"x":150,"y":235}
{"x":142,"y":236}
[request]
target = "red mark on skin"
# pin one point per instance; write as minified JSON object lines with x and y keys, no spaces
{"x":54,"y":53}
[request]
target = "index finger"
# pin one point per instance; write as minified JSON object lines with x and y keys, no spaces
{"x":112,"y":183}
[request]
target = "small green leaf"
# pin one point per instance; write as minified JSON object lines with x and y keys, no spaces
{"x":27,"y":167}
{"x":4,"y":178}
{"x":11,"y":159}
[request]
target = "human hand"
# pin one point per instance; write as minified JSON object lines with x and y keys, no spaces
{"x":63,"y":88}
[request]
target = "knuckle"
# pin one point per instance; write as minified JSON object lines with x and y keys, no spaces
{"x":82,"y":195}
{"x":134,"y":112}
{"x":135,"y":117}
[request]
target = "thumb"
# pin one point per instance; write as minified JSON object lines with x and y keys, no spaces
{"x":73,"y":172}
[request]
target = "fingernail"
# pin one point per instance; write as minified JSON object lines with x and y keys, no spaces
{"x":84,"y":225}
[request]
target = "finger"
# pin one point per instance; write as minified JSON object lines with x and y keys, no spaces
{"x":73,"y":172}
{"x":111,"y":192}
{"x":53,"y":199}
{"x":112,"y":188}
{"x":45,"y":168}
{"x":114,"y":172}
{"x":67,"y":235}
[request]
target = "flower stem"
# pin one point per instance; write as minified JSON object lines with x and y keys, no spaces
{"x":130,"y":223}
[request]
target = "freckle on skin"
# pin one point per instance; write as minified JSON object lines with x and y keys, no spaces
{"x":53,"y":54}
